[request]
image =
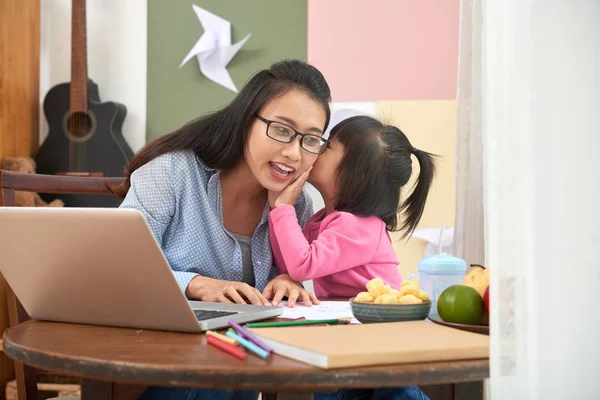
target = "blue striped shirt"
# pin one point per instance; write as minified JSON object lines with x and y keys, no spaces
{"x":180,"y":198}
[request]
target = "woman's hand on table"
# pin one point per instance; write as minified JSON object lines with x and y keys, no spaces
{"x":283,"y":286}
{"x":215,"y":290}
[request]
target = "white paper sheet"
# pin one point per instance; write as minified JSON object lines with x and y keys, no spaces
{"x":325,"y":310}
{"x":214,"y":50}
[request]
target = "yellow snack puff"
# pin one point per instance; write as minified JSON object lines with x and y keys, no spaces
{"x":376,"y":287}
{"x":364,"y":297}
{"x":408,"y":289}
{"x":409,"y":299}
{"x":422,"y":295}
{"x":393,"y":292}
{"x":378,"y":300}
{"x":388,"y":298}
{"x":405,"y":283}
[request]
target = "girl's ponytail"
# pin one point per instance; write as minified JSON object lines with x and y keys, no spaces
{"x":376,"y":165}
{"x":415,"y":203}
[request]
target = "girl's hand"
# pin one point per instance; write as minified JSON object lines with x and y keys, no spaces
{"x":215,"y":290}
{"x":284,"y":285}
{"x":290,"y":193}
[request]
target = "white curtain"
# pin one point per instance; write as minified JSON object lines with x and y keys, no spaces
{"x":529,"y":90}
{"x":541,"y":142}
{"x":468,"y":232}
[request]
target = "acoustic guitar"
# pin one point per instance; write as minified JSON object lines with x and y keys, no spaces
{"x":85,"y":137}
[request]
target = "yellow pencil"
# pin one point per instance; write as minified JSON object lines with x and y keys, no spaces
{"x":223,"y":338}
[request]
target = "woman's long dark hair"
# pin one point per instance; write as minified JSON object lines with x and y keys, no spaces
{"x":375,"y":167}
{"x":219,"y":138}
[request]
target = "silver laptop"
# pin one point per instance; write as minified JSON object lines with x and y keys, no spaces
{"x":102,"y":266}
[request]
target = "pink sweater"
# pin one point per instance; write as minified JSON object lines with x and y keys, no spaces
{"x":340,"y":252}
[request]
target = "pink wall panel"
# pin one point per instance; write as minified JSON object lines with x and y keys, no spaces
{"x":385,"y":49}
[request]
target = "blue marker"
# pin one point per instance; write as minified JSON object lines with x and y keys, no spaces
{"x":247,"y":344}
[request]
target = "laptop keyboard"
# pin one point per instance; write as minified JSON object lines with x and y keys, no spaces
{"x":202,"y":315}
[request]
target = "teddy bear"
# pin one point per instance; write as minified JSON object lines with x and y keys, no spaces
{"x":27,"y":199}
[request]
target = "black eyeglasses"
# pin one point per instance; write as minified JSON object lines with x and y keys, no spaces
{"x":285,"y":134}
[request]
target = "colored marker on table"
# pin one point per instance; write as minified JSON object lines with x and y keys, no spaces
{"x":234,"y":350}
{"x":335,"y":321}
{"x":249,"y":336}
{"x":247,"y":344}
{"x":223,"y":338}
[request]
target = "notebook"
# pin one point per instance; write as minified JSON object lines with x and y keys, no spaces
{"x":342,"y":346}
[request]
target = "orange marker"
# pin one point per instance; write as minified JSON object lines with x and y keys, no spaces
{"x":222,"y":338}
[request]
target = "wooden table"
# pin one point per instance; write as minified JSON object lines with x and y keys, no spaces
{"x":106,"y":358}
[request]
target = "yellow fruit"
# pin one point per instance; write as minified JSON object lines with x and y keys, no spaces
{"x":409,"y":299}
{"x":478,"y":279}
{"x":364,"y":297}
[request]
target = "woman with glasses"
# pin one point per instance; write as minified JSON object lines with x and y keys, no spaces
{"x":203,"y":190}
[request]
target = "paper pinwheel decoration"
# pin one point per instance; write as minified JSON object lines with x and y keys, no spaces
{"x":214,"y":49}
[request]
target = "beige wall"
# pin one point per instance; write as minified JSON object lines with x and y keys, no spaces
{"x":431,"y":126}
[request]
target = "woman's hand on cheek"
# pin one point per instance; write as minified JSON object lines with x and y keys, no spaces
{"x":290,"y":193}
{"x":283,"y":286}
{"x":215,"y":290}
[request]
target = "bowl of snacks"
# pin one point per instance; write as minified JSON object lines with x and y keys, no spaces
{"x":381,"y":303}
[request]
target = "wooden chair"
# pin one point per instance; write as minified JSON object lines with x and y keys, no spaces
{"x":10,"y":182}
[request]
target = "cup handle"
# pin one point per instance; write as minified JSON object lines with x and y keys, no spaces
{"x":411,"y":275}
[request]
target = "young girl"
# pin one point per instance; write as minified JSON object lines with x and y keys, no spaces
{"x":361,"y":176}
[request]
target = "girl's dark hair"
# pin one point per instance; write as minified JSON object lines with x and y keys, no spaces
{"x":375,"y":166}
{"x":219,"y":138}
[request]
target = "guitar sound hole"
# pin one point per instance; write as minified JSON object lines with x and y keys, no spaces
{"x":80,"y":126}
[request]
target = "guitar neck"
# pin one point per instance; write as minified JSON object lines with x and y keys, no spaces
{"x":79,"y":96}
